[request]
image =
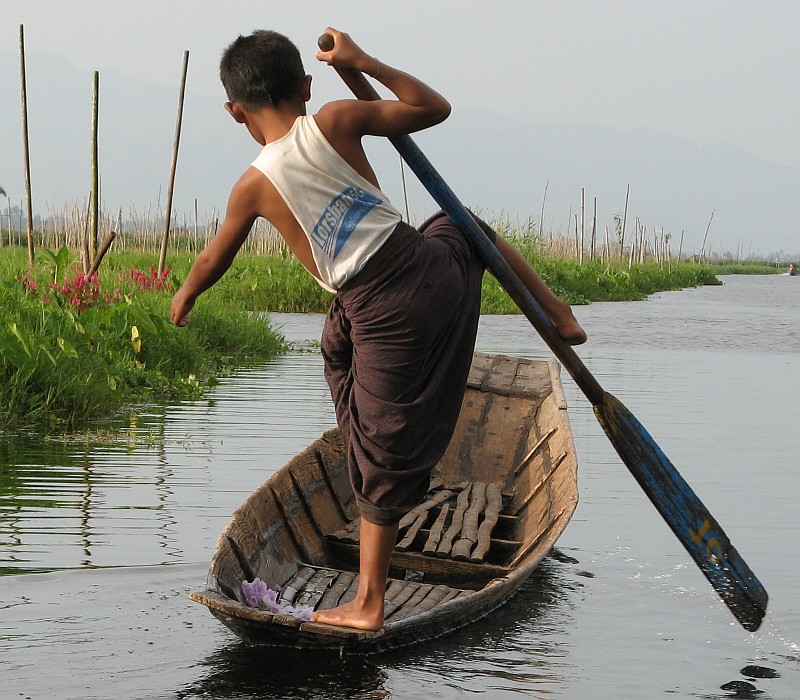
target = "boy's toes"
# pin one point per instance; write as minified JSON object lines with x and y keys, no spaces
{"x":572,"y":332}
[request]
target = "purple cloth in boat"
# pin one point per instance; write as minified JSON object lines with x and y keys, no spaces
{"x":397,"y":344}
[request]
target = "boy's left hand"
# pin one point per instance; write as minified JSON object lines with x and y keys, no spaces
{"x":180,"y":308}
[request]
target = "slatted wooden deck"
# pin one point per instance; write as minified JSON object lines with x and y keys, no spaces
{"x":324,"y":588}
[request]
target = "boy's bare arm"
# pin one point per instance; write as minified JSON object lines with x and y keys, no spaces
{"x":218,"y":255}
{"x":418,"y":106}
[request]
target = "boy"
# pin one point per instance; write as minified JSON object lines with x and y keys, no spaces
{"x":400,"y":333}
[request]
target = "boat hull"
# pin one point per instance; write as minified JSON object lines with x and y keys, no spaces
{"x":499,"y":499}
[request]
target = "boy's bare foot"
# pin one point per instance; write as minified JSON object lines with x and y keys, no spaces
{"x":353,"y":615}
{"x":365,"y":611}
{"x":572,"y":332}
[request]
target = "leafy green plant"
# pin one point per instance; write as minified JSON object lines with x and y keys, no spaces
{"x":72,"y":351}
{"x":60,"y":261}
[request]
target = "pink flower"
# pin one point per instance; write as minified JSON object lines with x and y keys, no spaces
{"x":152,"y":281}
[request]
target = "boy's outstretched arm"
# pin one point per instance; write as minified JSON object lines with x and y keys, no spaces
{"x":215,"y":259}
{"x":418,"y":106}
{"x":558,"y":311}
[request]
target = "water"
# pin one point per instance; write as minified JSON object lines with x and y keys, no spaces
{"x":124,"y":528}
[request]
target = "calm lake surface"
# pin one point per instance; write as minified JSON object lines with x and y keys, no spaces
{"x":100,"y":542}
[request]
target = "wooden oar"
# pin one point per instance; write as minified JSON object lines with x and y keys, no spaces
{"x":680,"y":507}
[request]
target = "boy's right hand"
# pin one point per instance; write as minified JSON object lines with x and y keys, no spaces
{"x":346,"y":54}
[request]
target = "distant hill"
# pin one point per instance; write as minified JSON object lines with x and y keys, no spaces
{"x":495,"y":164}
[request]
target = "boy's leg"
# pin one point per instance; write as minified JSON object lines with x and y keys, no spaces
{"x":558,"y":311}
{"x":365,"y":611}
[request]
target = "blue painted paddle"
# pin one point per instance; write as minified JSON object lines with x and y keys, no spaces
{"x":683,"y":511}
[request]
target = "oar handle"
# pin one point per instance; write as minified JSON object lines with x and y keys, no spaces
{"x":463,"y":219}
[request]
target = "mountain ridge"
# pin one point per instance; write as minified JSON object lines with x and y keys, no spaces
{"x":496,"y":164}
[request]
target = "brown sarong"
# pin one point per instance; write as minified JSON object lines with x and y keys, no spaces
{"x":397,"y":344}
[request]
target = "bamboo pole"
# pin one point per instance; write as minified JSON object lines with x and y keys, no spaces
{"x":168,"y":215}
{"x":632,"y":252}
{"x":85,"y":253}
{"x":703,"y":247}
{"x":196,"y":225}
{"x":658,"y":241}
{"x":541,"y":215}
{"x":594,"y":228}
{"x":95,"y":199}
{"x":643,"y":243}
{"x":26,"y":150}
{"x":624,"y":222}
{"x":8,"y":201}
{"x":583,"y":218}
{"x":577,"y":239}
{"x":101,"y":252}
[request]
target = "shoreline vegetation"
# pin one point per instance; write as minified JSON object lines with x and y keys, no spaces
{"x":75,"y":347}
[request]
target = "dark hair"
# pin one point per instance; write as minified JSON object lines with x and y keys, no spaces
{"x":261,"y":69}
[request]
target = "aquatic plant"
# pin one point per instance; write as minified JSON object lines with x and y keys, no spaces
{"x":74,"y":350}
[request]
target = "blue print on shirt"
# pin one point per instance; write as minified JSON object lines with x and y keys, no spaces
{"x":340,"y":219}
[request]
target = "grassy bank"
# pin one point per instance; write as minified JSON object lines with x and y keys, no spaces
{"x":279,"y":283}
{"x":73,"y":349}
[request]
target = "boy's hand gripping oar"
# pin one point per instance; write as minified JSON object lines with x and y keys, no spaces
{"x":683,"y":511}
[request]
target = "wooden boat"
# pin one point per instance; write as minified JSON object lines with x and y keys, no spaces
{"x":500,"y":497}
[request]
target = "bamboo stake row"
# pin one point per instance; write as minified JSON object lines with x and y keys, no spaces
{"x":73,"y":230}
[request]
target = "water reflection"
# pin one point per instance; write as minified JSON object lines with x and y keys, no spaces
{"x":69,"y":503}
{"x":519,"y":645}
{"x":513,"y":648}
{"x":240,"y":671}
{"x":159,"y":486}
{"x":45,"y":493}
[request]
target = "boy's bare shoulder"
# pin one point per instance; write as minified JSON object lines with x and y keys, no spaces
{"x":347,"y":115}
{"x":254,"y":195}
{"x":249,"y":189}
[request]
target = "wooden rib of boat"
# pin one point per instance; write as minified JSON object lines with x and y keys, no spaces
{"x":499,"y":499}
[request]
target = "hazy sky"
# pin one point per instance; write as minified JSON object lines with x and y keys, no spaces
{"x":707,"y":71}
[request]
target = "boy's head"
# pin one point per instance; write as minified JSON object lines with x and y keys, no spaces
{"x":261,"y":70}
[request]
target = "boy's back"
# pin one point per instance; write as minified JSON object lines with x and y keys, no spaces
{"x":342,"y":124}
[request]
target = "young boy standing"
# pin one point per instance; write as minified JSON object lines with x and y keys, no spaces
{"x":400,"y":333}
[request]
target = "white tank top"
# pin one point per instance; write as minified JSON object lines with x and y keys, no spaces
{"x":345,"y":218}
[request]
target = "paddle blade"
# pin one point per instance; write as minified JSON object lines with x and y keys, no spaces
{"x":683,"y":511}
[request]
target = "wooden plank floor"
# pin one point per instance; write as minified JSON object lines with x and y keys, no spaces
{"x":324,"y":588}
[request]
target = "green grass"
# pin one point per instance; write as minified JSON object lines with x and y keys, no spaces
{"x":71,"y":355}
{"x":62,"y":365}
{"x":745,"y":269}
{"x":275,"y":283}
